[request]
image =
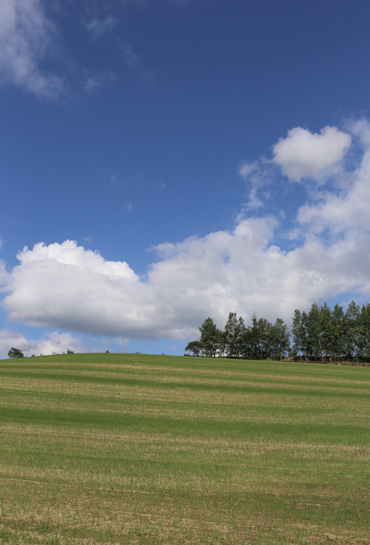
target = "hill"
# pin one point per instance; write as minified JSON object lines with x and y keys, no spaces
{"x":130,"y":448}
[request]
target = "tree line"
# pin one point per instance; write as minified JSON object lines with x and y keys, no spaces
{"x":260,"y":340}
{"x":321,"y":334}
{"x":332,"y":334}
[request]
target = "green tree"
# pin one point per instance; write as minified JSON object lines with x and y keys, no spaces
{"x":258,"y":339}
{"x":299,"y":332}
{"x":264,"y":328}
{"x":327,"y":333}
{"x":338,"y":332}
{"x":211,"y":338}
{"x":233,"y":336}
{"x":352,"y":329}
{"x":194,"y":348}
{"x":229,"y":335}
{"x":280,"y":339}
{"x":364,"y":333}
{"x":15,"y":353}
{"x":252,"y":344}
{"x":314,"y":333}
{"x":240,"y":337}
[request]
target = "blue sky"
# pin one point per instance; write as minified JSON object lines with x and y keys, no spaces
{"x":163,"y":161}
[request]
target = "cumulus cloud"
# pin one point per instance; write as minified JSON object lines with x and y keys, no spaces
{"x":303,"y":153}
{"x":9,"y":339}
{"x":55,"y":343}
{"x":65,"y":286}
{"x":53,"y":280}
{"x":347,"y":211}
{"x":25,"y":38}
{"x":51,"y":343}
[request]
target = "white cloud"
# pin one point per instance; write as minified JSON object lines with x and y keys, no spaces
{"x":25,"y":39}
{"x":54,"y":280}
{"x":51,"y":343}
{"x":302,"y":153}
{"x":11,"y":339}
{"x":64,"y":286}
{"x":55,"y":343}
{"x":348,"y":210}
{"x":67,"y":287}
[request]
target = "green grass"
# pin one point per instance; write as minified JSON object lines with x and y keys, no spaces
{"x":133,"y":449}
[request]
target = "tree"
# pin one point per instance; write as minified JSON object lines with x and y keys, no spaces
{"x":364,"y":333}
{"x":15,"y":353}
{"x":352,"y":327}
{"x":240,"y":334}
{"x":256,"y":339}
{"x":69,"y":351}
{"x":210,"y":337}
{"x":339,"y":332}
{"x":252,"y":348}
{"x":314,"y":333}
{"x":327,"y":332}
{"x":195,"y":348}
{"x":265,"y":338}
{"x":280,"y":339}
{"x":229,"y":336}
{"x":298,"y":333}
{"x":233,"y":336}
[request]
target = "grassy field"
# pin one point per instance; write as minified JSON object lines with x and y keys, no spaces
{"x":134,"y":449}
